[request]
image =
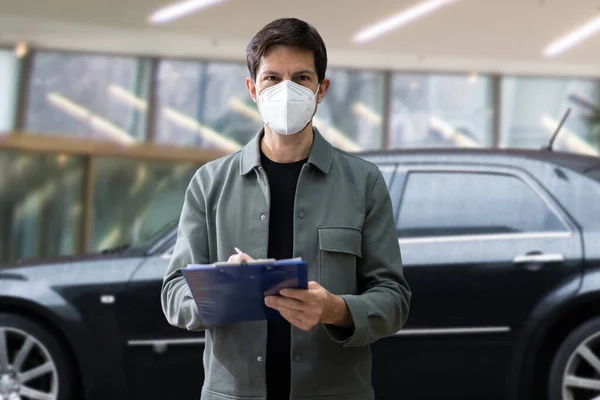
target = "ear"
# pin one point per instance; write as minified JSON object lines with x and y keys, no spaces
{"x":251,"y":86}
{"x":323,"y":89}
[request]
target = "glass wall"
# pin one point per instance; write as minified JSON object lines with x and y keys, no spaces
{"x":208,"y":105}
{"x":431,"y":110}
{"x":532,"y":108}
{"x":351,"y":115}
{"x":9,"y":72}
{"x":134,"y":199}
{"x":204,"y":105}
{"x":89,"y":96}
{"x":40,"y":205}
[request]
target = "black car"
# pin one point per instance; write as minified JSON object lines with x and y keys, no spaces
{"x":500,"y":247}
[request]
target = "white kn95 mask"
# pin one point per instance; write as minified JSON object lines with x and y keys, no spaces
{"x":287,"y":107}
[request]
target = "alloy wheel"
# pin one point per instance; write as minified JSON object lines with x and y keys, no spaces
{"x":27,"y":371}
{"x":581,"y":379}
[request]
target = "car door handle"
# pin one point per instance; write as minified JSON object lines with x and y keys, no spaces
{"x":539,"y":258}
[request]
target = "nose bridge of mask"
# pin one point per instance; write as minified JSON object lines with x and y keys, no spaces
{"x":273,"y":91}
{"x":291,"y":90}
{"x":306,"y":91}
{"x":297,"y":92}
{"x":287,"y":107}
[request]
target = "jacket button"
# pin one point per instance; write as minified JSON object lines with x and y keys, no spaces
{"x":263,"y":216}
{"x":259,"y":358}
{"x":301,"y":214}
{"x":297,"y":358}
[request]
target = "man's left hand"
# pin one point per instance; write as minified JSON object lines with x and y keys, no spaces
{"x":307,"y":308}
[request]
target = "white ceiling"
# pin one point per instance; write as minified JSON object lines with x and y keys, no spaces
{"x":506,"y":36}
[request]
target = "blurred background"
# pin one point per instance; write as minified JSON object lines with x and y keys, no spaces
{"x":105,"y":114}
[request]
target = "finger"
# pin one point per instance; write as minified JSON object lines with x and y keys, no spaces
{"x":238,"y":258}
{"x":302,"y":294}
{"x":297,"y":322}
{"x":313,"y":285}
{"x":298,"y":294}
{"x":293,"y":317}
{"x":295,"y":314}
{"x":281,"y":303}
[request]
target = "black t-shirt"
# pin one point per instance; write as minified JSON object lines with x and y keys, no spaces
{"x":283,"y":178}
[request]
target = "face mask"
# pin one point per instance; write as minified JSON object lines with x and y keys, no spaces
{"x":287,"y":107}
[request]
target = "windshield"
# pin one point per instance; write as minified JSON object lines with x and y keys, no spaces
{"x":148,"y":234}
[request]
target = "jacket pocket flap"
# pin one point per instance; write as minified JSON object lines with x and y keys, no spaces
{"x":340,"y":240}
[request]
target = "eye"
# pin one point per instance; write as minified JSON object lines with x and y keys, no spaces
{"x":271,"y":78}
{"x":303,"y":78}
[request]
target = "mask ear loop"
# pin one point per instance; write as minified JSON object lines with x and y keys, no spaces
{"x":317,"y":92}
{"x":316,"y":102}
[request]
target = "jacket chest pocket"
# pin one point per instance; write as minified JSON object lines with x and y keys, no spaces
{"x":339,"y":250}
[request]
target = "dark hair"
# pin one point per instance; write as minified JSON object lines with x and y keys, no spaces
{"x":287,"y":32}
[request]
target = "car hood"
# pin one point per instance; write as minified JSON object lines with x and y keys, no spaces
{"x":73,"y":259}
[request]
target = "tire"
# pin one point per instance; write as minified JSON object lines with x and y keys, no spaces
{"x":569,"y":361}
{"x":43,"y":365}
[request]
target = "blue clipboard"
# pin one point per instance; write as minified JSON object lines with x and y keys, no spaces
{"x":227,"y":293}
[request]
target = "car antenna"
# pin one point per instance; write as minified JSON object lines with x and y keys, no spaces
{"x":557,"y":131}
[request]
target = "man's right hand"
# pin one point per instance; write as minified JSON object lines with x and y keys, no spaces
{"x":238,"y":258}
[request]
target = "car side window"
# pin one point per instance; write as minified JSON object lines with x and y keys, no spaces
{"x":443,"y":204}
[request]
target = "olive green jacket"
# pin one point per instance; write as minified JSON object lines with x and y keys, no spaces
{"x":343,"y":227}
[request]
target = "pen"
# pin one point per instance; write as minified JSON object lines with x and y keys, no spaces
{"x":238,"y":250}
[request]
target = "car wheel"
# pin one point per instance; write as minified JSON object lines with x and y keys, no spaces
{"x":575,"y":372}
{"x":33,"y":364}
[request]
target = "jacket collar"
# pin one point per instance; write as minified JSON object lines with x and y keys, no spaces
{"x":320,"y":153}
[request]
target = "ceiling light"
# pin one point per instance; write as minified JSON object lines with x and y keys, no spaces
{"x":366,"y":112}
{"x":402,"y":18}
{"x":85,"y":115}
{"x":127,"y":97}
{"x":180,"y":9}
{"x":450,"y":133}
{"x":21,"y":49}
{"x":573,"y":38}
{"x":187,"y":122}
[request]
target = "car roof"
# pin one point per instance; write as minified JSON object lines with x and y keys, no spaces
{"x":578,"y":162}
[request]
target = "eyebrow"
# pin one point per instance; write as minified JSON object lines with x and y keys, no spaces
{"x":270,"y":73}
{"x":303,"y":72}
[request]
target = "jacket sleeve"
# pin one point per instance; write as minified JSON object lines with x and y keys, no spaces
{"x":191,"y":247}
{"x":381,"y":309}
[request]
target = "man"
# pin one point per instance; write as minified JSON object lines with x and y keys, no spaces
{"x":287,"y":193}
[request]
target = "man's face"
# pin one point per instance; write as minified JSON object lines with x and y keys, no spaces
{"x":287,"y":63}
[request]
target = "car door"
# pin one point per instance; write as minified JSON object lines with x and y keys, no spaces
{"x":164,"y":362}
{"x":482,"y":246}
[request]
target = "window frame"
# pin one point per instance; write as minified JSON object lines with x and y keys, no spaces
{"x":14,"y":92}
{"x":529,"y":181}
